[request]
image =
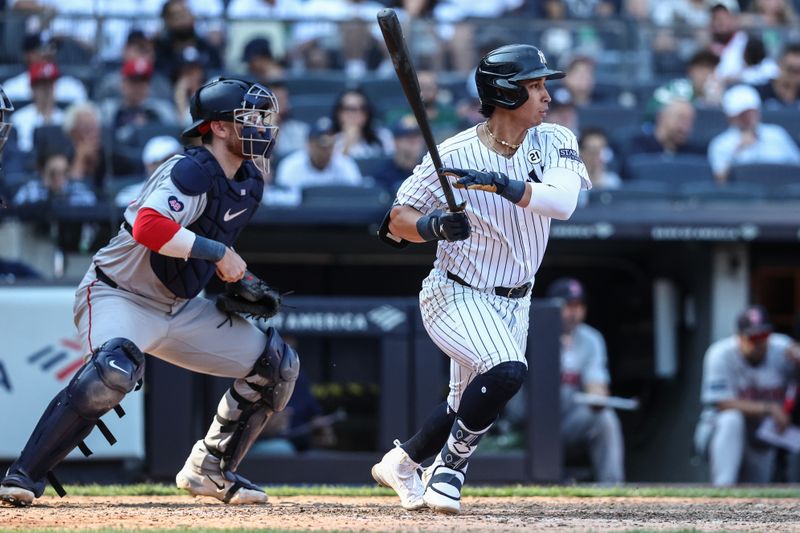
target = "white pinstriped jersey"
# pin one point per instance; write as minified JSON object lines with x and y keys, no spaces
{"x":507,"y":242}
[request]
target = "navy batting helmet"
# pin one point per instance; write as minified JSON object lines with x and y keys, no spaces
{"x":500,"y":71}
{"x":249,"y":105}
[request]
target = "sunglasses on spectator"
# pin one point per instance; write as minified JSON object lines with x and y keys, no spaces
{"x":353,"y":108}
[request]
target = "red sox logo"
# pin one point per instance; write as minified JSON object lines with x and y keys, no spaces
{"x":175,"y":204}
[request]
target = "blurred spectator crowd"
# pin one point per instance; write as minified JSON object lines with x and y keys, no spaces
{"x":692,"y":97}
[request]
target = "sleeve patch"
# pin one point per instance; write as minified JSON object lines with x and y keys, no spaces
{"x":175,"y":204}
{"x":569,"y":153}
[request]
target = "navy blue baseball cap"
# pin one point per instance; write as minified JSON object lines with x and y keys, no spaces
{"x":754,"y":322}
{"x":258,"y":47}
{"x":568,"y":289}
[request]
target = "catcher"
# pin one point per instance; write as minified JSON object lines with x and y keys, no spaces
{"x":140,"y":296}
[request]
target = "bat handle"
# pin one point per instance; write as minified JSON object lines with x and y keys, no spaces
{"x":457,"y":208}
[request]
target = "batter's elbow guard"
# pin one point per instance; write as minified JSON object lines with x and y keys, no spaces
{"x":387,"y":237}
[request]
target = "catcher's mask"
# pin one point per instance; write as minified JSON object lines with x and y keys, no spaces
{"x":252,"y":107}
{"x":6,"y":107}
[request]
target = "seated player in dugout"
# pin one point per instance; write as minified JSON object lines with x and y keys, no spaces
{"x":514,"y":174}
{"x":749,"y":379}
{"x":141,"y":295}
{"x":585,"y":428}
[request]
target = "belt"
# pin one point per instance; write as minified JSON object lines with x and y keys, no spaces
{"x":507,"y":292}
{"x":102,"y":276}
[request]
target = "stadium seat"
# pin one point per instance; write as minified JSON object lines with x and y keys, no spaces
{"x":770,"y":175}
{"x":378,"y":89}
{"x":711,"y":191}
{"x":708,"y":123}
{"x":608,"y":117}
{"x":670,"y":169}
{"x":343,"y":196}
{"x":144,"y":133}
{"x":308,"y":109}
{"x":327,"y":83}
{"x":368,"y":166}
{"x":786,"y":192}
{"x":50,"y":137}
{"x":634,"y":191}
{"x":787,"y":118}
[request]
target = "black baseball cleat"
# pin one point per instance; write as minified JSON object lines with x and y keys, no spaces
{"x":443,"y":489}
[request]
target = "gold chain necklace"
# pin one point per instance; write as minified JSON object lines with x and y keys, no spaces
{"x":499,"y":141}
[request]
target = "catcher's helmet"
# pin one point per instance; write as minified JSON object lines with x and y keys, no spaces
{"x":250,"y":105}
{"x":6,"y":107}
{"x":501,"y":69}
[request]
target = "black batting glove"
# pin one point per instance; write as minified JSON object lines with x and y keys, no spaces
{"x":448,"y":226}
{"x":496,"y":182}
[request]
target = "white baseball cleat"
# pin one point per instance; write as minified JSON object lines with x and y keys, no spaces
{"x":398,"y":472}
{"x":443,"y":491}
{"x":227,"y":487}
{"x":16,"y":496}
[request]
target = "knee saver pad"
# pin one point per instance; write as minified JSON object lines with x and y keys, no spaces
{"x":280,"y":365}
{"x":508,"y":376}
{"x":110,"y":374}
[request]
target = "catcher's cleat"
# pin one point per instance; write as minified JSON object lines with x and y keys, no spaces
{"x":443,"y":490}
{"x":16,"y":496}
{"x":227,"y":487}
{"x":398,"y":472}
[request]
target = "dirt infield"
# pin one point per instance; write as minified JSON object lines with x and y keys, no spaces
{"x":315,"y":513}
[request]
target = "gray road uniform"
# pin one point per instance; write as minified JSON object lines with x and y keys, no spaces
{"x":585,"y":361}
{"x":727,"y":436}
{"x":182,"y":330}
{"x":135,"y":301}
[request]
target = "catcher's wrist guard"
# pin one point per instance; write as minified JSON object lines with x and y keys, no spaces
{"x":251,"y":297}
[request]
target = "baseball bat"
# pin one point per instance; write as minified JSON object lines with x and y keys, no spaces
{"x":398,"y":51}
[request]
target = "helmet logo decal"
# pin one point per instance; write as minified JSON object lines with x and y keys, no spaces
{"x":534,"y":157}
{"x":541,"y":58}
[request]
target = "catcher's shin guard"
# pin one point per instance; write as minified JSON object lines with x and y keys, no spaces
{"x":112,"y":372}
{"x":247,"y":406}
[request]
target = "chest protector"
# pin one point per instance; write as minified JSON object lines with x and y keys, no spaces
{"x":230,"y":204}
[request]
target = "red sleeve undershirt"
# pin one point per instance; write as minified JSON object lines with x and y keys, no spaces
{"x":153,"y":229}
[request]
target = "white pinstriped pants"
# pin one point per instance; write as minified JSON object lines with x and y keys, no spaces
{"x":476,"y":329}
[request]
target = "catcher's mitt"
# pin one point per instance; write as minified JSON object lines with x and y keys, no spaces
{"x":251,"y":297}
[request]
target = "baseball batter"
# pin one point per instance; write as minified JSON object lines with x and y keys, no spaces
{"x":140,"y":296}
{"x":584,"y":369}
{"x":515,"y":174}
{"x":745,"y":377}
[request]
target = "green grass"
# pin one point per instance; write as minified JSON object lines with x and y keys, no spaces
{"x":666,"y":491}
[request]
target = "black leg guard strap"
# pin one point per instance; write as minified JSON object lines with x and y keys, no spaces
{"x":488,"y":393}
{"x":56,"y":485}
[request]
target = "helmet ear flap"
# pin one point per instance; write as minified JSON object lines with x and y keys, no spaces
{"x":513,"y":96}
